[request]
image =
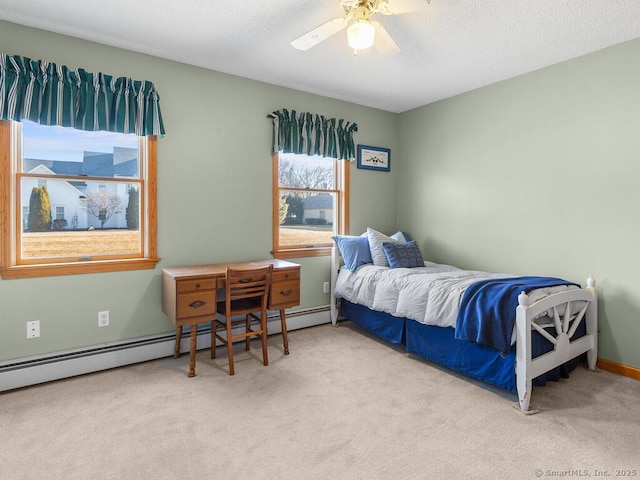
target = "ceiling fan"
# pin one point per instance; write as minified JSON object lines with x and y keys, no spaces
{"x":363,"y":32}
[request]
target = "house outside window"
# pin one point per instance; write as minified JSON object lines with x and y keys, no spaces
{"x":75,"y":188}
{"x":310,"y":204}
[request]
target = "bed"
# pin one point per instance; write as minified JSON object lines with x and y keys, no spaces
{"x":507,"y":331}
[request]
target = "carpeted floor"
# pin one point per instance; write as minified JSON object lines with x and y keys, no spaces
{"x":342,"y":405}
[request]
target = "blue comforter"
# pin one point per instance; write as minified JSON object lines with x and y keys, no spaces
{"x":487,"y":312}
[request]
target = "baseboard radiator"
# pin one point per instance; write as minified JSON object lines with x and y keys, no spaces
{"x":45,"y":368}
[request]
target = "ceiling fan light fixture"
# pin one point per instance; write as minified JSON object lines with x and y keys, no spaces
{"x":361,"y":34}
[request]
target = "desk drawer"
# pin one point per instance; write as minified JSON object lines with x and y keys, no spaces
{"x":285,"y":275}
{"x":284,"y":294}
{"x":196,"y":304}
{"x":196,"y":285}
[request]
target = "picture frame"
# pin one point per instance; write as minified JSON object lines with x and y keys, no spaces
{"x":374,"y":158}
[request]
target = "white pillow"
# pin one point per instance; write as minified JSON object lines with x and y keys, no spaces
{"x":376,"y":239}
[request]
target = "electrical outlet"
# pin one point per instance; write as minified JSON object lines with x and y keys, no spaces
{"x":33,"y":329}
{"x":103,"y":318}
{"x":325,"y":287}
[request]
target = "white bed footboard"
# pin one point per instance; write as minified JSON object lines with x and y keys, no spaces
{"x":565,"y":326}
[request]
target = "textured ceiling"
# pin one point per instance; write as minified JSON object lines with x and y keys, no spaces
{"x":450,"y":47}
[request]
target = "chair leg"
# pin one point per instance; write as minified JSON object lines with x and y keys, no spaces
{"x":263,"y":326}
{"x":247,"y":328}
{"x":230,"y":347}
{"x":213,"y":338}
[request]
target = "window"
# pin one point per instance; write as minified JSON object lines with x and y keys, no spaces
{"x":75,"y":201}
{"x":310,"y":204}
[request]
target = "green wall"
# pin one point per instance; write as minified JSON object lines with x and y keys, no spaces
{"x":217,"y":148}
{"x":537,"y":175}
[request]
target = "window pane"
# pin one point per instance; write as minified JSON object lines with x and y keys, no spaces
{"x":67,"y":151}
{"x":306,"y":219}
{"x":69,"y":239}
{"x":76,"y":219}
{"x":303,"y":171}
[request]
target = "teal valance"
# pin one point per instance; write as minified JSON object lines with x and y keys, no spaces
{"x":312,"y":134}
{"x":51,"y":94}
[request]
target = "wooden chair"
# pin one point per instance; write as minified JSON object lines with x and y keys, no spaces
{"x":246,"y":294}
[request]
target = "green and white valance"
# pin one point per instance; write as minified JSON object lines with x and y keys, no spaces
{"x":313,"y":134}
{"x":51,"y":94}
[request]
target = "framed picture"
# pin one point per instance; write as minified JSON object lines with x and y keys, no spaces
{"x":374,"y":158}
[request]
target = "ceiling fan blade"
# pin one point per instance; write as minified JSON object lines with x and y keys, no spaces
{"x":383,"y":42}
{"x":318,"y":34}
{"x":395,"y":7}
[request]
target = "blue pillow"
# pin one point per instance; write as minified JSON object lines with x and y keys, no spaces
{"x":403,"y":255}
{"x":354,"y":250}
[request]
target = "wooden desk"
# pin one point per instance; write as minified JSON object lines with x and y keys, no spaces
{"x":189,"y":296}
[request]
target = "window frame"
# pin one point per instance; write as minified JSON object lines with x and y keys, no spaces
{"x":342,"y":193}
{"x":10,"y":209}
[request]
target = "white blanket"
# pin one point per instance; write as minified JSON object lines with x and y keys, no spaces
{"x":430,"y":295}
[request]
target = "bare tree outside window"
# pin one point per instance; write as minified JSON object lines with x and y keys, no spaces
{"x":103,"y":204}
{"x":304,"y":176}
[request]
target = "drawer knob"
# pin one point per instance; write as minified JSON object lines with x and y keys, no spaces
{"x":197,"y":285}
{"x":285,"y":293}
{"x":197,"y":304}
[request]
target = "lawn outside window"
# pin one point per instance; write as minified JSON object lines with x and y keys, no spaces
{"x":75,"y":201}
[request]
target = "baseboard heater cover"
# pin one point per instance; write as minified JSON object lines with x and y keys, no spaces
{"x":45,"y":368}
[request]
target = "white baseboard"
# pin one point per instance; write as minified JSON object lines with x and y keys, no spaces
{"x":24,"y":372}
